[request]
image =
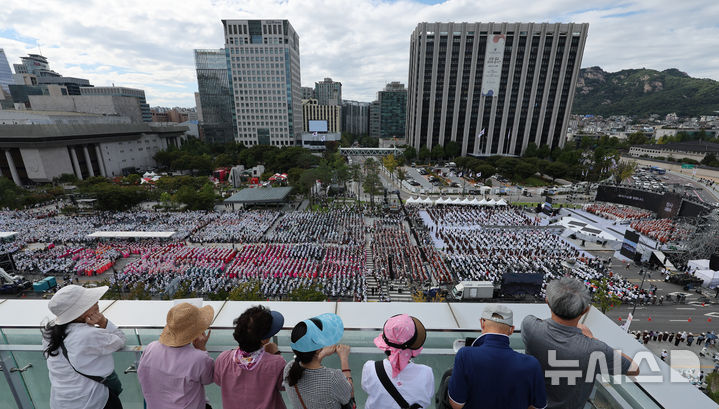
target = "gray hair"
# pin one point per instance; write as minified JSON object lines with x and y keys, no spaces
{"x":567,"y":297}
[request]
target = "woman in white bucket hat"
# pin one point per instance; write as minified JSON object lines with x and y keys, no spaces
{"x":78,"y":345}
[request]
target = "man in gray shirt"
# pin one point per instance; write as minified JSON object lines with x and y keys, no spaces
{"x":568,"y":352}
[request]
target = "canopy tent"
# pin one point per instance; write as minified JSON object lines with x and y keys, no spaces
{"x":466,"y":202}
{"x":441,"y":200}
{"x":482,"y":202}
{"x":501,"y":202}
{"x":457,"y":201}
{"x":491,"y":202}
{"x":412,"y":200}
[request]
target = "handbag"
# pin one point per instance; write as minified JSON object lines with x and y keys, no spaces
{"x":112,"y":381}
{"x":391,"y":389}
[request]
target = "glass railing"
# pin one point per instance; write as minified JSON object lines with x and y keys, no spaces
{"x":28,"y":387}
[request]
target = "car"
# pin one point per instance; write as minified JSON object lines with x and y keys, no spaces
{"x":414,"y":183}
{"x":454,"y":184}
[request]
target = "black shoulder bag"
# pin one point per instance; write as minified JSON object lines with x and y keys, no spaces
{"x":390,"y":388}
{"x":111,"y":381}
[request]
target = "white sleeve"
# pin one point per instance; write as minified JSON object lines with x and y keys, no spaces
{"x":367,"y":371}
{"x":107,"y":340}
{"x":428,"y":388}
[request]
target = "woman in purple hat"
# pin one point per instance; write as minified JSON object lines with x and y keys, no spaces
{"x":396,"y":381}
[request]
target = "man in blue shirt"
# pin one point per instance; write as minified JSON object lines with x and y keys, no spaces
{"x":490,"y":374}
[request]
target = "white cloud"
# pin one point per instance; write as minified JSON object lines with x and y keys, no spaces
{"x":362,"y":43}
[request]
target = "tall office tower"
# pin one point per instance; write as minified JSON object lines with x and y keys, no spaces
{"x":492,"y":87}
{"x":215,"y":96}
{"x":122,"y":92}
{"x":308,"y":93}
{"x":198,"y":104}
{"x":374,"y":119}
{"x":5,"y":73}
{"x":392,"y":110}
{"x":312,"y":111}
{"x":328,"y":92}
{"x":264,"y":62}
{"x":355,"y":117}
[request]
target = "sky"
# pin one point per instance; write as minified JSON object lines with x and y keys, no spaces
{"x":362,"y":43}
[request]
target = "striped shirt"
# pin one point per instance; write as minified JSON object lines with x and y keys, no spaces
{"x":321,"y":388}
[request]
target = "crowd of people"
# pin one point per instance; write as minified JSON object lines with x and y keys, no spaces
{"x":454,"y":216}
{"x":613,"y":212}
{"x":661,"y":230}
{"x":335,"y":226}
{"x":174,"y":370}
{"x":245,"y":227}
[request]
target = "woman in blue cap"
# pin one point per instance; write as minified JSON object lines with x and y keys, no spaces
{"x":309,"y":384}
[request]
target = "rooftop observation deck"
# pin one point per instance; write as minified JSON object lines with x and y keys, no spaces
{"x":142,"y":322}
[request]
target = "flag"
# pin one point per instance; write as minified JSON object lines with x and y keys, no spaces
{"x":480,"y":134}
{"x":314,"y":133}
{"x":323,"y":137}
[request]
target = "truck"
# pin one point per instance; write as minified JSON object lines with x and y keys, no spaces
{"x":473,"y":290}
{"x":43,"y":285}
{"x":12,"y":284}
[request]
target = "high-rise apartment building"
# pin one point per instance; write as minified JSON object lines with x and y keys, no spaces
{"x":313,"y":111}
{"x":328,"y":92}
{"x":492,"y":87}
{"x":355,"y":117}
{"x":392,"y":110}
{"x":216,"y":99}
{"x":263,"y":58}
{"x":122,"y":92}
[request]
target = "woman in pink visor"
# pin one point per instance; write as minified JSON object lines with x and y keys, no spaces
{"x":397,"y":382}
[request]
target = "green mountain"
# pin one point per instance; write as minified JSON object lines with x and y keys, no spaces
{"x":642,"y":92}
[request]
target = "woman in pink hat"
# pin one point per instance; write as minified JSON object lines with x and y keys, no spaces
{"x":397,"y":382}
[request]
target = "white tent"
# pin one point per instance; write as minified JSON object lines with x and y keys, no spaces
{"x":475,"y":202}
{"x":466,"y":201}
{"x":457,"y":201}
{"x":482,"y":202}
{"x":491,"y":202}
{"x":501,"y":202}
{"x":427,"y":200}
{"x":441,"y":200}
{"x":710,"y":277}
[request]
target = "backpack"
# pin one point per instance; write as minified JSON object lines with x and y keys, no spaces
{"x":441,"y":398}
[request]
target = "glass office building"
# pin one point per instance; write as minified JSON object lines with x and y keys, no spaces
{"x":5,"y":73}
{"x":492,"y":87}
{"x":215,"y":95}
{"x":25,"y":383}
{"x":392,"y":110}
{"x":264,"y":66}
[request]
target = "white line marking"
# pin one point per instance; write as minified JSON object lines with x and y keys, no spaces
{"x":678,"y":320}
{"x":686,"y":308}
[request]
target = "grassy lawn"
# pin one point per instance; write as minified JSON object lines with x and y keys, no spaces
{"x":534,"y":181}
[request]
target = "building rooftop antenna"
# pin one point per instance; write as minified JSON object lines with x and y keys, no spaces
{"x":39,"y":50}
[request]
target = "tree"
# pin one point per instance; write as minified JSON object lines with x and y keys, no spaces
{"x":604,"y":299}
{"x":623,"y":170}
{"x":372,"y":185}
{"x":452,"y":149}
{"x":313,"y":293}
{"x":138,"y":292}
{"x":710,"y":159}
{"x":196,"y":200}
{"x":638,"y":138}
{"x":506,"y":166}
{"x":525,"y":169}
{"x":424,"y":154}
{"x":543,"y":152}
{"x":401,"y":175}
{"x":131,"y":179}
{"x":409,"y":154}
{"x":531,"y":151}
{"x":246,"y":291}
{"x":437,"y":152}
{"x":356,"y":173}
{"x":557,"y":170}
{"x":390,"y":163}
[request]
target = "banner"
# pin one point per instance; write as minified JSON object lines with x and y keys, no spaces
{"x":493,"y":58}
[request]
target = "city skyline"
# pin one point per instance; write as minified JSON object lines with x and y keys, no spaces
{"x":363,"y":44}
